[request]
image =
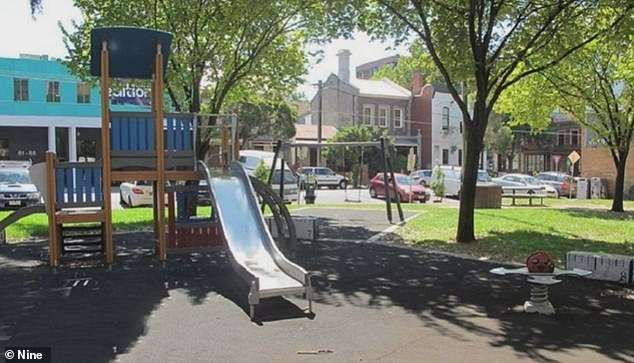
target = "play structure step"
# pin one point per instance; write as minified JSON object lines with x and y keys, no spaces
{"x":82,"y":239}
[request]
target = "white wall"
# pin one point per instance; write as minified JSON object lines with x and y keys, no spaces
{"x":450,"y":139}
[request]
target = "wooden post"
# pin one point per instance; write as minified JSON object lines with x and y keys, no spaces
{"x":159,"y":197}
{"x":105,"y":154}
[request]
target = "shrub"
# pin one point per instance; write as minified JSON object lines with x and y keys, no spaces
{"x":438,"y":183}
{"x":262,"y":171}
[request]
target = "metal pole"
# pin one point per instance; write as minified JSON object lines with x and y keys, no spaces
{"x":320,"y":86}
{"x":388,"y":205}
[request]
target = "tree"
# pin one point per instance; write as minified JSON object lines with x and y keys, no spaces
{"x":438,"y":183}
{"x":595,"y":87}
{"x":490,"y":45}
{"x":499,"y":138}
{"x":231,"y":48}
{"x":276,"y":120}
{"x":418,"y":60}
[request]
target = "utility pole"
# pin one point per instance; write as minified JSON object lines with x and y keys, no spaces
{"x":320,"y":88}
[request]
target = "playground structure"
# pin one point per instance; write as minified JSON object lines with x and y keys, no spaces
{"x":159,"y":147}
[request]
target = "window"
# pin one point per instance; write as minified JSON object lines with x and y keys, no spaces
{"x":574,"y":137}
{"x":534,"y":163}
{"x":460,"y":157}
{"x":561,"y":138}
{"x":20,"y":89}
{"x":83,"y":93}
{"x":382,"y":116}
{"x":445,"y":118}
{"x":398,"y":117}
{"x":52,"y":91}
{"x":4,"y":149}
{"x":368,"y":115}
{"x":445,"y":156}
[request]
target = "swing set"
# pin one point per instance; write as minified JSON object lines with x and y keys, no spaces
{"x":387,"y":168}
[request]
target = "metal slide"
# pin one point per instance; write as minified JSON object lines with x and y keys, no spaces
{"x":250,"y":247}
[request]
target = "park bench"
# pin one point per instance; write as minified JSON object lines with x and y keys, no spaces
{"x":522,"y":192}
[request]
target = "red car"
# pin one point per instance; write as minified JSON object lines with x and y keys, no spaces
{"x":407,"y":188}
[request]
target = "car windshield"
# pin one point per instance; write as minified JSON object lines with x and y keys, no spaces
{"x":404,"y":180}
{"x":288,"y":177}
{"x":483,"y":176}
{"x":14,"y":176}
{"x":532,"y":180}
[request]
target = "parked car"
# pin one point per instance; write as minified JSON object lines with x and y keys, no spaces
{"x":16,"y":188}
{"x":136,"y":193}
{"x":250,"y":159}
{"x":407,"y":188}
{"x":453,"y":179}
{"x":325,"y":177}
{"x":422,"y":176}
{"x":526,"y":181}
{"x":290,"y":185}
{"x":563,"y":182}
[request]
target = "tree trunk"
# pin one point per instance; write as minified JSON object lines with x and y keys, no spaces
{"x":473,"y":143}
{"x":620,"y":163}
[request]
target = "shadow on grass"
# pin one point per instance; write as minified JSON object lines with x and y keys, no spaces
{"x":600,"y":214}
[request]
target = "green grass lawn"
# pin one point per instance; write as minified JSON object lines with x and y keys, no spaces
{"x":507,"y":234}
{"x":511,"y":234}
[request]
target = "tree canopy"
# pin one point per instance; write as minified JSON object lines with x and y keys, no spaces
{"x":418,"y":60}
{"x":594,"y":86}
{"x":489,"y":45}
{"x":231,"y":49}
{"x":276,"y":120}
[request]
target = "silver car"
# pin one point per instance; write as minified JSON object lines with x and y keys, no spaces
{"x":16,"y":188}
{"x":325,"y":177}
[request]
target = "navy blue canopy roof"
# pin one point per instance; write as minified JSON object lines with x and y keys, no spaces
{"x":132,"y":51}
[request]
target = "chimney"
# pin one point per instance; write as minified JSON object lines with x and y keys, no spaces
{"x":418,"y":81}
{"x":344,"y":64}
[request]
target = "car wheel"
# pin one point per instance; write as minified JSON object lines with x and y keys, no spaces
{"x":130,"y":202}
{"x":121,"y":201}
{"x":343,"y":184}
{"x":373,"y":193}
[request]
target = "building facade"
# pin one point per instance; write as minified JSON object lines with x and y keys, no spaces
{"x":343,"y":102}
{"x":438,"y":119}
{"x":45,"y":108}
{"x":367,"y":70}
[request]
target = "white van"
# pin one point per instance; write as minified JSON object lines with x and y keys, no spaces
{"x":250,"y":159}
{"x":453,"y":179}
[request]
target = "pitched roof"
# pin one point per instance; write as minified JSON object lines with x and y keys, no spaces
{"x":383,"y":88}
{"x":309,"y":132}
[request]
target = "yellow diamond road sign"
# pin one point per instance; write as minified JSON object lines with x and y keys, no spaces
{"x":574,"y":156}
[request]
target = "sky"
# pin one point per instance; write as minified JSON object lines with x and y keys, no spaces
{"x":21,"y":33}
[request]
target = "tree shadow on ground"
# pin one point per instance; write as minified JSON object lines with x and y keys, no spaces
{"x":440,"y":289}
{"x":100,"y":312}
{"x":600,"y":213}
{"x":86,"y":309}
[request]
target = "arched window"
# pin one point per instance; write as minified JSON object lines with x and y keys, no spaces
{"x":445,"y":118}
